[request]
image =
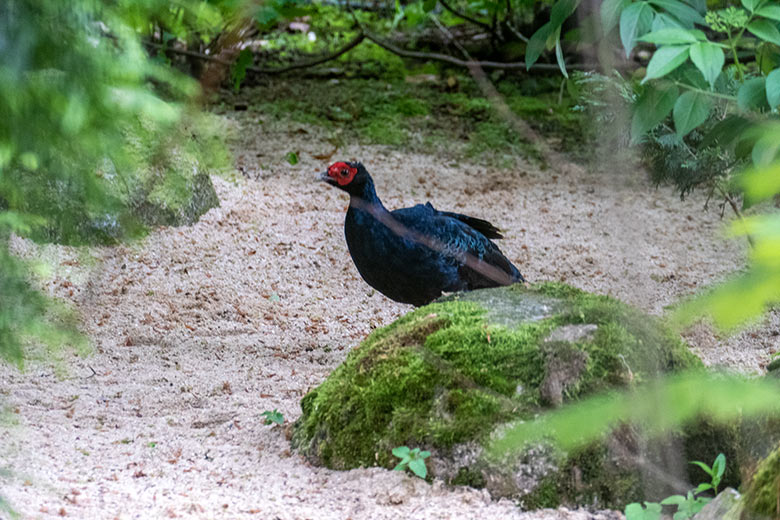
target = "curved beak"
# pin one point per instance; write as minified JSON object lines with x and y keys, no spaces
{"x":323,"y":176}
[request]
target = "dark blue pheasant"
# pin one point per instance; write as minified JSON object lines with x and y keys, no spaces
{"x":412,"y":255}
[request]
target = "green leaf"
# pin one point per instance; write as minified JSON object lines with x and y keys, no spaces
{"x":690,"y":110}
{"x":761,"y":183}
{"x":719,"y":466}
{"x":539,"y":40}
{"x":699,"y":504}
{"x":752,"y":94}
{"x":770,"y":11}
{"x":429,"y":5}
{"x":650,"y":109}
{"x":559,"y":58}
{"x":672,"y":500}
{"x":703,"y":487}
{"x":665,"y":60}
{"x":683,"y":12}
{"x":244,"y":59}
{"x":274,"y":416}
{"x":292,"y":158}
{"x":765,"y":30}
{"x":633,"y":511}
{"x":637,"y":512}
{"x":418,"y":468}
{"x":561,"y":11}
{"x":610,"y":13}
{"x":703,"y":466}
{"x":699,"y":5}
{"x":727,"y":132}
{"x":709,"y":59}
{"x":670,"y":36}
{"x":750,"y":5}
{"x":536,"y":44}
{"x":665,"y":21}
{"x":267,"y":16}
{"x":773,"y":88}
{"x":765,"y":150}
{"x":635,"y":20}
{"x":401,"y":451}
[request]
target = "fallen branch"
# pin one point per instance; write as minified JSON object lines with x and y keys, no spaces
{"x":446,"y":58}
{"x":266,"y":70}
{"x":316,"y":61}
{"x":464,"y":63}
{"x":464,"y":16}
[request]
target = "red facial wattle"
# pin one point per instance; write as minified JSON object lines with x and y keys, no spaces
{"x":342,"y":173}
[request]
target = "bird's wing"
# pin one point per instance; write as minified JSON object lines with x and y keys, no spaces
{"x":481,"y":225}
{"x":456,"y":241}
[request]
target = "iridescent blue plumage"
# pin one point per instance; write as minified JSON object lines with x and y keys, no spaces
{"x":412,"y":255}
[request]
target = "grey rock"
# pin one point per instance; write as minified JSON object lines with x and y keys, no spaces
{"x":573,"y":333}
{"x":726,"y":506}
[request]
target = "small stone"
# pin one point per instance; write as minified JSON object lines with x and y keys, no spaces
{"x":725,"y":506}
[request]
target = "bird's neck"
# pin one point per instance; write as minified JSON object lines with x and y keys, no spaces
{"x":366,"y":198}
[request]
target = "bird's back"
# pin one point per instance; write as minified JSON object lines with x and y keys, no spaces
{"x":414,"y":254}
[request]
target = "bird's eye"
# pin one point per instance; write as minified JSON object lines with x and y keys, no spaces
{"x":343,"y":172}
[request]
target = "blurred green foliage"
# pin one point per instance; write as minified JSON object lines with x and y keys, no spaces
{"x":73,"y":77}
{"x":80,"y":98}
{"x":657,"y":407}
{"x":755,"y":290}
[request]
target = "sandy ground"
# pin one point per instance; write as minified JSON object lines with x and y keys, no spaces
{"x":198,"y":330}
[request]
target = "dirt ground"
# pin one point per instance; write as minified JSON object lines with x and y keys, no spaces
{"x":198,"y":330}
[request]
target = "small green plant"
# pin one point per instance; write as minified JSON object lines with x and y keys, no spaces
{"x":715,"y":472}
{"x":273,"y":417}
{"x":687,"y":505}
{"x":651,"y":511}
{"x":412,"y":459}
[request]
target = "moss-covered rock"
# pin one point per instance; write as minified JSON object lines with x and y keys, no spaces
{"x":448,"y":375}
{"x":173,"y":187}
{"x":157,"y":175}
{"x":762,"y":498}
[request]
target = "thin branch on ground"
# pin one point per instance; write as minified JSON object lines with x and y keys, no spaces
{"x":450,"y":38}
{"x":464,"y":16}
{"x":267,"y":70}
{"x":435,"y":56}
{"x":735,"y":208}
{"x":516,"y":32}
{"x":463,"y":63}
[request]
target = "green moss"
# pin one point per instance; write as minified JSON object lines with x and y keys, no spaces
{"x":763,"y":495}
{"x":704,"y":439}
{"x":447,"y":373}
{"x":545,"y":495}
{"x":158,"y":176}
{"x":391,"y":392}
{"x":468,"y":477}
{"x":424,"y":117}
{"x":172,"y":186}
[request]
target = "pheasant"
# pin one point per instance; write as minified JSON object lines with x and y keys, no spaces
{"x":413,"y":255}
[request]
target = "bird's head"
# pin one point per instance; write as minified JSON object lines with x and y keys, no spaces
{"x":348,"y":176}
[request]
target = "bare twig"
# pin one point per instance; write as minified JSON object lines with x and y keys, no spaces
{"x":267,"y":70}
{"x":727,"y":197}
{"x":450,"y":38}
{"x":516,"y":32}
{"x":463,"y":63}
{"x":464,"y":16}
{"x":315,"y":61}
